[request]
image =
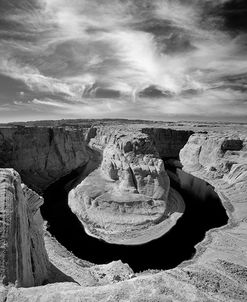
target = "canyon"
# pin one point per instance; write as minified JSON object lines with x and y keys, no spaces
{"x":122,"y":193}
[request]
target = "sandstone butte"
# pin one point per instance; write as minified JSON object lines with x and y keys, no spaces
{"x":124,"y":163}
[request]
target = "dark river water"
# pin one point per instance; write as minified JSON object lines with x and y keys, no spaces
{"x":204,"y":211}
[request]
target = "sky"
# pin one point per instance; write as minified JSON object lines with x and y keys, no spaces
{"x":145,"y":59}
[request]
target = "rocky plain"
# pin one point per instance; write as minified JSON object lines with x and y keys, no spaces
{"x":124,"y":197}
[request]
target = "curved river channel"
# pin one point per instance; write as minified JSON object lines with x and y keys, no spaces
{"x":204,"y":211}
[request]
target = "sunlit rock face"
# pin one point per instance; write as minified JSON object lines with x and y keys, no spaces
{"x":128,"y":199}
{"x":24,"y":260}
{"x":222,"y":159}
{"x":220,"y":156}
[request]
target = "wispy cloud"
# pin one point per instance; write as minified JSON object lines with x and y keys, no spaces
{"x":97,"y":57}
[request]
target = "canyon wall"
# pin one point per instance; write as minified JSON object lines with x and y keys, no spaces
{"x":215,"y":153}
{"x":218,"y":271}
{"x":222,"y":160}
{"x":168,"y":142}
{"x":24,"y":261}
{"x":42,"y":155}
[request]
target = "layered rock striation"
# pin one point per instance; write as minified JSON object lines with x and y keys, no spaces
{"x":42,"y":154}
{"x":131,"y":193}
{"x":218,"y":271}
{"x":222,"y":160}
{"x":128,"y":199}
{"x":24,"y":260}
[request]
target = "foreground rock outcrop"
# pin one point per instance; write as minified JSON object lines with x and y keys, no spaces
{"x":24,"y":259}
{"x":218,"y":271}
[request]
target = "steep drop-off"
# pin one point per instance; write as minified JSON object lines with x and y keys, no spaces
{"x":130,"y":200}
{"x":42,"y":154}
{"x":24,"y":260}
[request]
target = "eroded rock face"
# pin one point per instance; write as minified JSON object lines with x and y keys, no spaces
{"x":221,"y":159}
{"x":132,"y":183}
{"x":128,"y":199}
{"x":24,"y":260}
{"x":215,"y":153}
{"x":42,"y":155}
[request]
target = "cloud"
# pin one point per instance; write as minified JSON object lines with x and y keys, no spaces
{"x":49,"y":102}
{"x":98,"y":56}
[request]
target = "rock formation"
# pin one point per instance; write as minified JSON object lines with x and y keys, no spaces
{"x":221,"y":160}
{"x":218,"y":271}
{"x":128,"y":200}
{"x":42,"y":154}
{"x":24,"y":259}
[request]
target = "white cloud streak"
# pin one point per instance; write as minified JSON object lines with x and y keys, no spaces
{"x":68,"y":46}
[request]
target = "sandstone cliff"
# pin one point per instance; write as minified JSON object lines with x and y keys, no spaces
{"x":221,"y":160}
{"x":131,"y":167}
{"x":24,"y":260}
{"x":42,"y":155}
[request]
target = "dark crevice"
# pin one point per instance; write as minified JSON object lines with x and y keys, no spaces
{"x":202,"y":213}
{"x":51,"y":136}
{"x":134,"y":179}
{"x":32,"y":263}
